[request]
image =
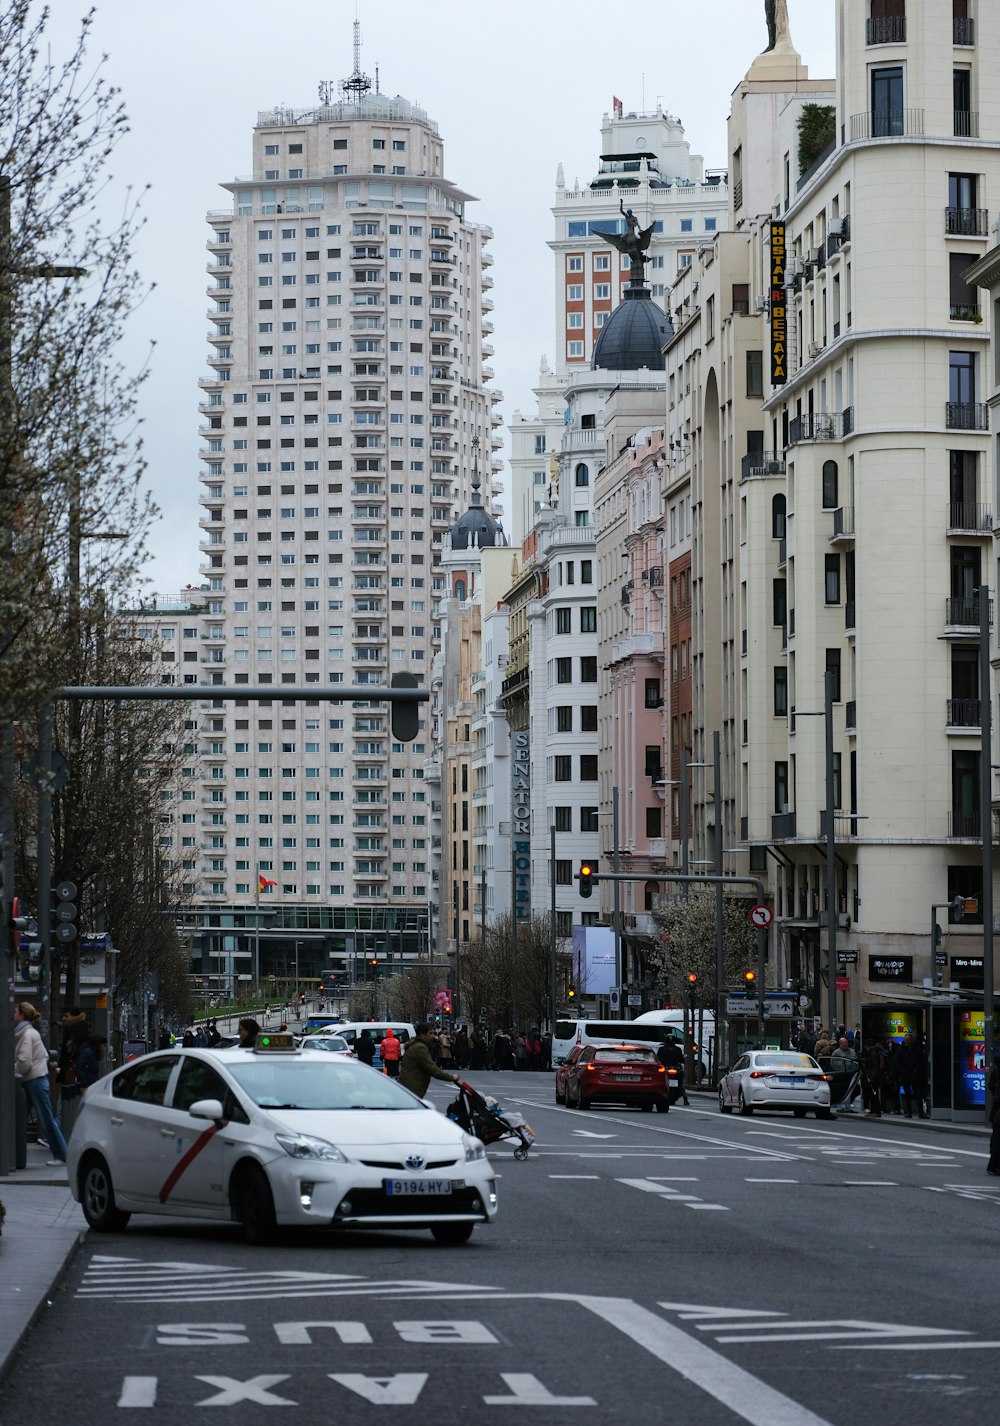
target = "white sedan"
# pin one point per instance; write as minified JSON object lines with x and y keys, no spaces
{"x":775,"y":1079}
{"x":274,"y":1136}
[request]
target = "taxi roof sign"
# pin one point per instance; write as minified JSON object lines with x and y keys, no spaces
{"x":274,"y":1041}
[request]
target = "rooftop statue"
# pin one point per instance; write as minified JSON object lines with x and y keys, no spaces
{"x":778,"y":33}
{"x":634,"y":244}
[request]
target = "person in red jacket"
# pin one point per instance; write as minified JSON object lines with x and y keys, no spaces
{"x":391,"y":1051}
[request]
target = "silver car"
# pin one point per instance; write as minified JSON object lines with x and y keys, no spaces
{"x":776,"y":1079}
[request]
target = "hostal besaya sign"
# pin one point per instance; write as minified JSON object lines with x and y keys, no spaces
{"x":779,"y":311}
{"x":520,"y":825}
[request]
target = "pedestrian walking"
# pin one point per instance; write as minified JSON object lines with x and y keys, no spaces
{"x":503,"y":1051}
{"x":461,"y":1048}
{"x":912,"y":1076}
{"x":75,"y":1034}
{"x":872,"y":1073}
{"x":993,"y":1085}
{"x":392,"y":1049}
{"x":248,"y":1030}
{"x":418,"y":1067}
{"x":445,"y":1051}
{"x":533,"y":1048}
{"x":88,"y":1061}
{"x":31,"y":1062}
{"x":365,"y":1048}
{"x":520,"y":1053}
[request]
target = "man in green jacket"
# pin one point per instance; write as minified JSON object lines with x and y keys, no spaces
{"x":417,"y":1068}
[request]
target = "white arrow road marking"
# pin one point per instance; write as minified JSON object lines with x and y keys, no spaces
{"x":729,"y":1325}
{"x":744,"y":1394}
{"x":671,"y":1194}
{"x":589,"y":1134}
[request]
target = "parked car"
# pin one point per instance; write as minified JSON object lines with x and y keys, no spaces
{"x":775,"y":1079}
{"x":629,"y":1074}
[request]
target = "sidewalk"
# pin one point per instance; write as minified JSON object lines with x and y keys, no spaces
{"x":41,"y":1233}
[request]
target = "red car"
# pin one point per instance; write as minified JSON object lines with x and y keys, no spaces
{"x":629,"y":1074}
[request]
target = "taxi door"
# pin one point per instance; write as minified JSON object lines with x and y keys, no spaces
{"x":196,"y":1155}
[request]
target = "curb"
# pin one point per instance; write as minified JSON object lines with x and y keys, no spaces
{"x":12,"y":1349}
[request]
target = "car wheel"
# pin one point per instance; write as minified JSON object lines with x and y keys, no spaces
{"x":663,"y":1105}
{"x":724,"y":1108}
{"x":581,"y":1103}
{"x":799,"y":1113}
{"x":646,"y":1106}
{"x":255,"y":1205}
{"x":452,"y":1235}
{"x":97,"y":1197}
{"x":745,"y":1109}
{"x":825,"y":1114}
{"x":560,"y":1098}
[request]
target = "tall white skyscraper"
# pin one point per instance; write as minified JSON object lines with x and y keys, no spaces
{"x":348,"y":297}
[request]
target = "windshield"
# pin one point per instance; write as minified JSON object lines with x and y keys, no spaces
{"x":327,"y":1084}
{"x":785,"y":1062}
{"x":328,"y":1042}
{"x":626,"y":1053}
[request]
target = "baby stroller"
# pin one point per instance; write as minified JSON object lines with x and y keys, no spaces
{"x":482,"y":1116}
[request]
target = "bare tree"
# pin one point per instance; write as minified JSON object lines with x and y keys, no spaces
{"x":70,"y":453}
{"x":508,"y":976}
{"x":690,"y":926}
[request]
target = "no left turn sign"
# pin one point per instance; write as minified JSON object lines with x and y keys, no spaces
{"x":761,"y":917}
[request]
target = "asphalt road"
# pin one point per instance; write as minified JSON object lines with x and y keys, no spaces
{"x":691,"y":1267}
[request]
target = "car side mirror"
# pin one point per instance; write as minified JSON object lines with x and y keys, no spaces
{"x":723,"y":1069}
{"x":206,"y":1109}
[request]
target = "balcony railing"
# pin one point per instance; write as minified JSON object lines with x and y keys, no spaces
{"x":963,"y":32}
{"x":783,"y":825}
{"x":738,"y":187}
{"x":843,"y":522}
{"x":849,"y":614}
{"x":966,"y":515}
{"x":965,"y":824}
{"x":759,"y":464}
{"x":967,"y":222}
{"x":964,"y":713}
{"x":821,"y":426}
{"x":966,"y":124}
{"x":965,"y":612}
{"x":851,"y":713}
{"x":889,"y":31}
{"x":887,"y":123}
{"x":964,"y":312}
{"x":967,"y":416}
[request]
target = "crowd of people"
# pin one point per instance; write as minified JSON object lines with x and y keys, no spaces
{"x":892,"y":1077}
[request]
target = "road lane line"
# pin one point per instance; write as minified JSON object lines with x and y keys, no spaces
{"x":870,"y":1183}
{"x":708,"y":1207}
{"x":593,"y":1176}
{"x":745,"y":1395}
{"x":770,"y":1180}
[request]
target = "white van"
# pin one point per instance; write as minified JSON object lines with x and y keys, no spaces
{"x":376,"y":1028}
{"x":584,"y":1032}
{"x":674,"y":1018}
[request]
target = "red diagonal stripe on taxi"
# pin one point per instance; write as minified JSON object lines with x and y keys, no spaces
{"x":189,"y":1158}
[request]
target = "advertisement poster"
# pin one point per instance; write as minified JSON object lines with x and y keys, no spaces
{"x":594,"y":958}
{"x":970,"y":1060}
{"x":887,"y":1024}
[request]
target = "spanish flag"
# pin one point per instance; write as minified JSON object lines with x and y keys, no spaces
{"x":263,"y":884}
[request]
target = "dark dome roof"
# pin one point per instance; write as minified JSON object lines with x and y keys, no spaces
{"x":476,"y":528}
{"x":634,"y":335}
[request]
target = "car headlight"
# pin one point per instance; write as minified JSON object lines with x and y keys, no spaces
{"x":304,"y":1146}
{"x":474,"y":1149}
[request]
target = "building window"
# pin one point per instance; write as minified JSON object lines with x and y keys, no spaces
{"x":830,"y":483}
{"x":588,"y":768}
{"x":779,"y":602}
{"x":588,"y":718}
{"x":564,"y":621}
{"x":780,"y":691}
{"x":564,"y":670}
{"x":563,"y":817}
{"x":588,"y":619}
{"x":780,"y":787}
{"x":654,"y":696}
{"x":833,"y":668}
{"x":831,"y":577}
{"x":654,"y":821}
{"x":564,"y":719}
{"x":777,"y":517}
{"x":755,"y":374}
{"x":588,"y":670}
{"x":582,"y":476}
{"x":588,"y":819}
{"x":563,"y":768}
{"x":564,"y":873}
{"x":887,"y":102}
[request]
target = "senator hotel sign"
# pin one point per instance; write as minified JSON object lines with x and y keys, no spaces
{"x":520,"y":824}
{"x":779,"y":311}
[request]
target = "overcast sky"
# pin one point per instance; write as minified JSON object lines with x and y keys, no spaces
{"x":515,"y":87}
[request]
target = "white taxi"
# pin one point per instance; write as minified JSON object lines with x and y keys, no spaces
{"x":775,"y":1079}
{"x":273,"y":1136}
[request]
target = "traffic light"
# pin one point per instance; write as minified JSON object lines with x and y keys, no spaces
{"x":692,"y":985}
{"x":749,"y":980}
{"x":64,"y":913}
{"x":571,"y":991}
{"x":373,"y":968}
{"x":586,"y":879}
{"x":405,"y":716}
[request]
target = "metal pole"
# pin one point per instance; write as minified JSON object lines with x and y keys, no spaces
{"x":513,"y":921}
{"x":685,"y":814}
{"x":720,"y":946}
{"x":552,"y":929}
{"x":8,"y":1088}
{"x":986,"y":818}
{"x":44,"y":862}
{"x":831,"y":858}
{"x":617,"y":917}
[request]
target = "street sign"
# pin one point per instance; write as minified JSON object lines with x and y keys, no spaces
{"x":847,"y":958}
{"x":776,"y":1007}
{"x":761,"y":917}
{"x":843,"y":982}
{"x":615,"y":997}
{"x":635,"y":999}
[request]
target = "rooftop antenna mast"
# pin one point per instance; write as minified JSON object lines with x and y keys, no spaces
{"x":359,"y":84}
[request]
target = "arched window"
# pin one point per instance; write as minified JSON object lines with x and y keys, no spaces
{"x":830,"y":501}
{"x":649,"y":890}
{"x":459,"y":588}
{"x":582,"y":474}
{"x":778,"y":517}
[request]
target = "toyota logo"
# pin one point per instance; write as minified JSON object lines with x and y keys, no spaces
{"x":415,"y":1161}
